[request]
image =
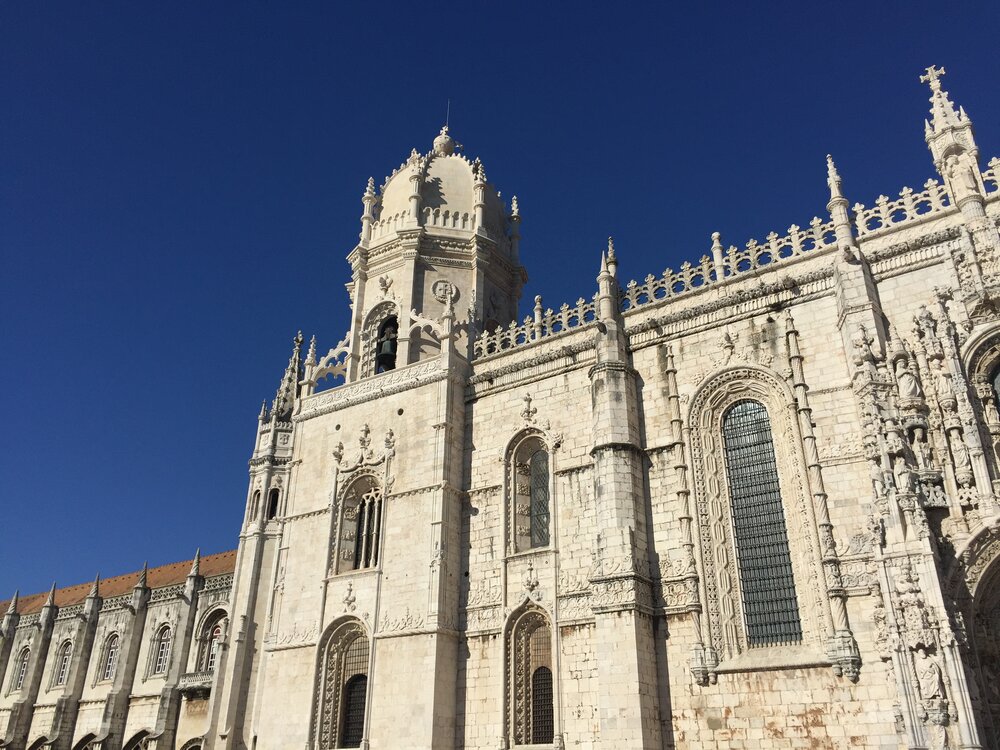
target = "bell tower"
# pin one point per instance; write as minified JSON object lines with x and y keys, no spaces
{"x":435,"y":236}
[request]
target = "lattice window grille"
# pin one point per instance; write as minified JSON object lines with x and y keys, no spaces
{"x":770,"y":604}
{"x":540,"y":499}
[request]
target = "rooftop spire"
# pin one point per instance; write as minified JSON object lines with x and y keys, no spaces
{"x":833,"y":178}
{"x":51,"y":600}
{"x":289,"y":388}
{"x":143,"y":576}
{"x":196,"y":564}
{"x":943,"y":113}
{"x":95,"y":589}
{"x":12,"y":609}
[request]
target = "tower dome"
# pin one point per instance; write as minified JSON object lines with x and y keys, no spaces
{"x":440,"y":189}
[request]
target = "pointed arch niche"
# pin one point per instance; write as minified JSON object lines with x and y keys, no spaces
{"x":530,"y":678}
{"x":343,"y":663}
{"x":376,"y":321}
{"x":737,"y":413}
{"x":529,"y":491}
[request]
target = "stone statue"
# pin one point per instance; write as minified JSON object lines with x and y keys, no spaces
{"x":909,"y":387}
{"x":929,"y":676}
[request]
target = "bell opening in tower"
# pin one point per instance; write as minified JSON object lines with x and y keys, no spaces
{"x":385,"y":345}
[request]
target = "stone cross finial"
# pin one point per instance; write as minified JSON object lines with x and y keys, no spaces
{"x":528,"y":412}
{"x":933,"y":77}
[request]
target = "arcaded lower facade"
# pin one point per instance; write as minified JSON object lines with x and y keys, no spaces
{"x":750,"y":503}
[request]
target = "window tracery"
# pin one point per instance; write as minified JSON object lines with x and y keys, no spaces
{"x":342,"y":687}
{"x":735,"y":594}
{"x":529,"y":493}
{"x":63,"y":659}
{"x":110,"y":662}
{"x":361,"y":524}
{"x":20,"y":669}
{"x":161,"y":650}
{"x":212,"y":634}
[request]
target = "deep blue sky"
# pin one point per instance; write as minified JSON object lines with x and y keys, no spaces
{"x":180,"y":183}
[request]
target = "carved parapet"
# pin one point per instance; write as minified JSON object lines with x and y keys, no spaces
{"x":196,"y":685}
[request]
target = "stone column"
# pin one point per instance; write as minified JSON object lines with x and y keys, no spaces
{"x":628,"y":706}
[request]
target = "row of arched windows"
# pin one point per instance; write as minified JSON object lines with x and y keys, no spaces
{"x":271,"y":512}
{"x":160,"y":651}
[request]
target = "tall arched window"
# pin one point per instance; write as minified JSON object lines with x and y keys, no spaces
{"x":272,"y":503}
{"x":254,"y":505}
{"x":63,"y":658}
{"x":770,"y":604}
{"x":529,"y":674}
{"x":161,"y":650}
{"x":20,"y":669}
{"x":361,"y":524}
{"x":212,"y":633}
{"x":379,"y":339}
{"x":529,"y":488}
{"x":110,"y":663}
{"x":343,"y":687}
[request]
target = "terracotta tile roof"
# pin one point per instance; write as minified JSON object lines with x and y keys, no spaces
{"x":164,"y":575}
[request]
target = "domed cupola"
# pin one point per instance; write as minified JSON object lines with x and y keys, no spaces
{"x":435,"y":230}
{"x":441,"y":189}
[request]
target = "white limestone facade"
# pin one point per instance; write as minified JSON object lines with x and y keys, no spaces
{"x":753,"y":503}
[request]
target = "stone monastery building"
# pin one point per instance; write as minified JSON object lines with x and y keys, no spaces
{"x":753,"y":503}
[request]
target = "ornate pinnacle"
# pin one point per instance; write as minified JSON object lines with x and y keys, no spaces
{"x":12,"y":609}
{"x":833,"y":178}
{"x":143,"y":576}
{"x":514,"y":210}
{"x":95,"y":588}
{"x":611,"y":249}
{"x":288,"y":389}
{"x":311,"y":356}
{"x":51,"y":601}
{"x":196,"y":564}
{"x":370,"y":188}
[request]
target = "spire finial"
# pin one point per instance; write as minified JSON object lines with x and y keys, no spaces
{"x":370,"y":188}
{"x":933,"y":76}
{"x":833,"y":178}
{"x":196,"y":564}
{"x":12,"y":609}
{"x":612,"y":258}
{"x":95,"y":588}
{"x":515,"y":210}
{"x":311,"y":355}
{"x":51,"y":601}
{"x":288,"y":389}
{"x":143,"y":576}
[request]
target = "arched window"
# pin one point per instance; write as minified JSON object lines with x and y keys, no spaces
{"x":529,"y":490}
{"x":161,"y":650}
{"x":63,"y":658}
{"x":110,"y":662}
{"x":529,"y":671}
{"x":272,"y":503}
{"x":343,"y":687}
{"x":361,"y":524}
{"x":379,"y":339}
{"x":770,"y":604}
{"x":20,"y":669}
{"x":212,"y":633}
{"x":385,"y":345}
{"x":254,"y":505}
